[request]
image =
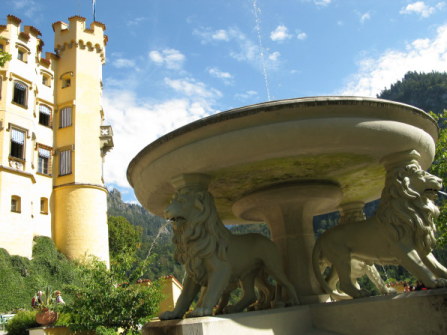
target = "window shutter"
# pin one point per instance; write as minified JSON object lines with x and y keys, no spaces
{"x":44,"y":153}
{"x":20,"y":86}
{"x":17,"y":136}
{"x":65,"y":117}
{"x":44,"y":110}
{"x":65,"y":162}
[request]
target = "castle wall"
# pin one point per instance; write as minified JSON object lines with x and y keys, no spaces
{"x":71,"y":206}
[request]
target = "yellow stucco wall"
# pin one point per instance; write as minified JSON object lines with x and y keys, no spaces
{"x":81,"y":211}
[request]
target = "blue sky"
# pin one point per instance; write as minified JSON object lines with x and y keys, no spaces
{"x":170,"y":62}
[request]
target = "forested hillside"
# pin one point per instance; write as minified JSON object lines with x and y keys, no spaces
{"x":427,"y":91}
{"x":155,"y":240}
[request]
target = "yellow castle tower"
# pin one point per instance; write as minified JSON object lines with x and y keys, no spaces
{"x":80,"y":198}
{"x":52,"y":140}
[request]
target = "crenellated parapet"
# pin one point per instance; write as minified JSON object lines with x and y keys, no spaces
{"x":75,"y":34}
{"x":27,"y":40}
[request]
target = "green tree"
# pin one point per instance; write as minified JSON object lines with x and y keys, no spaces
{"x":439,"y":168}
{"x":123,"y":236}
{"x":427,"y":91}
{"x":4,"y":57}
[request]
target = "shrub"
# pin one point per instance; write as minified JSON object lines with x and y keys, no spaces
{"x":22,"y":278}
{"x":102,"y":302}
{"x":21,"y":322}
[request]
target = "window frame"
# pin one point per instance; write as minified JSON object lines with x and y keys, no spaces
{"x":46,"y":116}
{"x":16,"y":204}
{"x":65,"y":117}
{"x":17,"y":144}
{"x":44,"y":162}
{"x":20,"y":94}
{"x":44,"y":206}
{"x":66,"y":79}
{"x":65,"y":162}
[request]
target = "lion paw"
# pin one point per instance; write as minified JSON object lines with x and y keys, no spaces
{"x":169,"y":315}
{"x":200,"y":311}
{"x":362,"y":293}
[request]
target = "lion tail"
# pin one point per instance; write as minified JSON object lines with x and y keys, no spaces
{"x":317,"y":257}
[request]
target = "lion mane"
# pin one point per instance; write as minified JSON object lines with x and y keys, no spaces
{"x":402,"y":232}
{"x":201,"y":235}
{"x":408,"y":211}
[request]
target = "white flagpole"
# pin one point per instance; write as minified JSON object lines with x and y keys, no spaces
{"x":94,"y":9}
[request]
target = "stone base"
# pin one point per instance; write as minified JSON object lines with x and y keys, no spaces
{"x":414,"y":313}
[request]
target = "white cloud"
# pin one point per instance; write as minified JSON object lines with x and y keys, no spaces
{"x":136,"y":122}
{"x":220,"y":35}
{"x":217,"y":73}
{"x":247,"y":95}
{"x":422,"y":55}
{"x":322,"y":3}
{"x":123,"y":63}
{"x":171,"y":58}
{"x":240,"y":47}
{"x":421,"y":8}
{"x":301,"y":36}
{"x":280,"y":33}
{"x":191,"y":87}
{"x":274,"y":56}
{"x":364,"y":17}
{"x":208,"y":35}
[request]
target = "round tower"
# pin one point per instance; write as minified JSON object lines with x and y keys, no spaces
{"x":80,"y":141}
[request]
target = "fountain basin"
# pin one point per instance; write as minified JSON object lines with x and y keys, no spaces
{"x":340,"y":140}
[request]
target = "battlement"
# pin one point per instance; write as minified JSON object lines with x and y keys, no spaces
{"x":75,"y":34}
{"x":28,"y":38}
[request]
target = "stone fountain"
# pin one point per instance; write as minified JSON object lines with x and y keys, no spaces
{"x":283,"y":162}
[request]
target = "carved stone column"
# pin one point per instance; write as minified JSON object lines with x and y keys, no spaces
{"x":289,"y":210}
{"x":197,"y":180}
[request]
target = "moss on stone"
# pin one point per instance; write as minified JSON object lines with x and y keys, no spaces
{"x":360,"y":177}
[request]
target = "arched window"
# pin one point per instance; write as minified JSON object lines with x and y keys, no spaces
{"x":17,"y":143}
{"x":46,"y":80}
{"x":44,"y":115}
{"x":44,"y":160}
{"x":20,"y":93}
{"x":66,"y":79}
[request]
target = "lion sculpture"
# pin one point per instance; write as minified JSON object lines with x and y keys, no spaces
{"x":358,"y":268}
{"x":215,"y":259}
{"x":402,"y":232}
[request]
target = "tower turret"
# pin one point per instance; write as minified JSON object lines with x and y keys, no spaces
{"x":80,"y":198}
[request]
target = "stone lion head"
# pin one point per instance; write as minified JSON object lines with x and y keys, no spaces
{"x":407,"y":204}
{"x":198,"y":230}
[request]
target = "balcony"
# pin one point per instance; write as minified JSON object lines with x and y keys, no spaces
{"x":106,"y":138}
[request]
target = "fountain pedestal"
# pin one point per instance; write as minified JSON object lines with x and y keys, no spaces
{"x":289,"y":212}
